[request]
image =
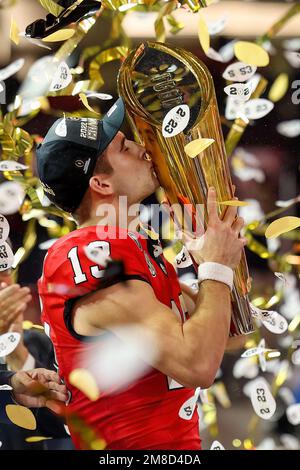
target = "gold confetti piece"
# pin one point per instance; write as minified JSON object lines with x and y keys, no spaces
{"x":108,"y":55}
{"x":37,"y":438}
{"x":235,"y":203}
{"x":248,"y":444}
{"x":282,"y":225}
{"x":61,"y":35}
{"x":159,"y":26}
{"x":292,"y":259}
{"x":203,"y":35}
{"x":170,"y":254}
{"x":279,"y":87}
{"x":21,"y":416}
{"x":282,"y":374}
{"x":192,"y":149}
{"x":14,"y":32}
{"x":51,"y":7}
{"x":251,"y":53}
{"x":27,"y":325}
{"x":98,"y":444}
{"x":127,"y":6}
{"x":85,"y":102}
{"x":236,"y":443}
{"x":220,"y":392}
{"x":294,"y":323}
{"x":85,"y":382}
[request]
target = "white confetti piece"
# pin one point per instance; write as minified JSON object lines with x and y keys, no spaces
{"x":183,"y":259}
{"x":47,"y":244}
{"x":127,"y":6}
{"x":27,"y":106}
{"x":293,"y":58}
{"x":11,"y":69}
{"x":247,"y":174}
{"x":251,"y":212}
{"x":67,"y":429}
{"x":259,"y":351}
{"x":289,"y":441}
{"x":62,"y":78}
{"x":289,"y":128}
{"x":216,"y":445}
{"x":261,"y":398}
{"x":293,"y":414}
{"x":7,"y":388}
{"x":290,"y":305}
{"x":11,"y":197}
{"x":234,"y":108}
{"x":268,"y":46}
{"x":241,"y":91}
{"x":217,"y":26}
{"x":8,"y":343}
{"x":254,"y":81}
{"x":291,"y":44}
{"x":287,"y":203}
{"x":245,"y":367}
{"x":121,"y":357}
{"x":239,"y":72}
{"x":227,"y":51}
{"x":6,"y":257}
{"x":253,"y":352}
{"x":282,"y":277}
{"x":176,"y":120}
{"x":262,"y":362}
{"x":273,"y":244}
{"x":266,"y":444}
{"x":4,"y":228}
{"x":157,"y":251}
{"x":188,"y":408}
{"x":11,"y":165}
{"x":295,"y":358}
{"x":257,"y":108}
{"x":100,"y":96}
{"x":214,"y":55}
{"x":275,"y":323}
{"x":98,"y":254}
{"x":44,"y":200}
{"x":287,"y":395}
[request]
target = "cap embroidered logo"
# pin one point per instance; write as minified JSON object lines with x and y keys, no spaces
{"x":79,"y":163}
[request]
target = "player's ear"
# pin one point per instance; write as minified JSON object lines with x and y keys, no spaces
{"x":101,"y":184}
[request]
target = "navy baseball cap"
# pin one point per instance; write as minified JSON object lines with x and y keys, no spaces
{"x":67,"y":157}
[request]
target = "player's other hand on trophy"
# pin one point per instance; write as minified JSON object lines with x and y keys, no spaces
{"x":221,"y":242}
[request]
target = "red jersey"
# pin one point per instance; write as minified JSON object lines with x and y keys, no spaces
{"x":146,"y":414}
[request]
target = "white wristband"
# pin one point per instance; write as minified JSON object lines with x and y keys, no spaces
{"x":216,"y":272}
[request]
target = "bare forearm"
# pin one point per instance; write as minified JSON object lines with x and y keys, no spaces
{"x":17,"y":358}
{"x":236,"y":342}
{"x":208,"y":329}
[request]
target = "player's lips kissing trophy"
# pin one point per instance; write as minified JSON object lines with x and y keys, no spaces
{"x":170,"y":101}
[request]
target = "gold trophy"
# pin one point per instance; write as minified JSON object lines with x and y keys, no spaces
{"x":157,"y":81}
